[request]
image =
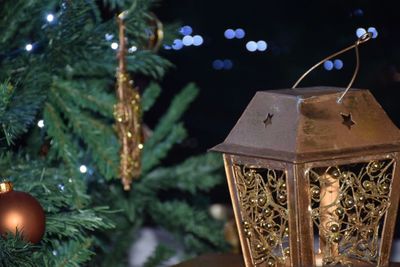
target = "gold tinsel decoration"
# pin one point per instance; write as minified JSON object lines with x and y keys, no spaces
{"x":128,"y":115}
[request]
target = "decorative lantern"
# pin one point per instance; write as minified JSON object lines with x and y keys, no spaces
{"x":314,"y":181}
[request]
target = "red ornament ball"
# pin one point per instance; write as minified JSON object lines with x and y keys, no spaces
{"x":20,"y":212}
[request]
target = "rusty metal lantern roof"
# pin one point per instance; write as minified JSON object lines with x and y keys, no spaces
{"x":307,"y":124}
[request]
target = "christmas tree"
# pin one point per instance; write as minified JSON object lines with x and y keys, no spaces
{"x":58,"y":142}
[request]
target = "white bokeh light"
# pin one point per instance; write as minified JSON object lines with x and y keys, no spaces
{"x":83,"y":169}
{"x":50,"y":17}
{"x":29,"y":47}
{"x":187,"y":40}
{"x":262,"y":45}
{"x":251,"y":46}
{"x":40,"y":123}
{"x":114,"y":46}
{"x":360,"y":32}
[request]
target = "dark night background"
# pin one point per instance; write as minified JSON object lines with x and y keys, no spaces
{"x":298,"y":33}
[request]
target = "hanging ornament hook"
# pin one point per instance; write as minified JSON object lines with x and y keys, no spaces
{"x":362,"y":39}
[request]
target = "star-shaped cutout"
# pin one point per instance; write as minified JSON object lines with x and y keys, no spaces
{"x":268,"y":119}
{"x":347,"y":120}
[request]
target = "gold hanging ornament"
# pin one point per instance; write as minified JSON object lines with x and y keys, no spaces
{"x":128,"y":115}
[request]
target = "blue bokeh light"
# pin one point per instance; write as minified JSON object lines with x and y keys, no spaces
{"x":373,"y":31}
{"x":197,"y":40}
{"x":251,"y":46}
{"x":328,"y":65}
{"x":240,"y":33}
{"x":218,"y":64}
{"x":338,"y":64}
{"x":229,"y":34}
{"x":109,"y":36}
{"x":187,"y":40}
{"x":186,"y":30}
{"x":167,"y":47}
{"x":358,"y":12}
{"x":262,"y":45}
{"x":360,"y":32}
{"x":177,"y":45}
{"x":228,"y":64}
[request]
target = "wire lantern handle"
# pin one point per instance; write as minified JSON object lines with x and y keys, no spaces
{"x":362,"y":39}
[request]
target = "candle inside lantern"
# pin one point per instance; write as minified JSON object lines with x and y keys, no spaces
{"x":329,"y":232}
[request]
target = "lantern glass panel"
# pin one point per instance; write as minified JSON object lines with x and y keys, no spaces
{"x":263,"y":200}
{"x":349,"y":203}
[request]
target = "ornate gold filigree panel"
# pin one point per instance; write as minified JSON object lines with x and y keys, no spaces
{"x":263,"y":205}
{"x":349,"y":203}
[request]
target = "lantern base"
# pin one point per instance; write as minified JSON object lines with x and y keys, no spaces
{"x":229,"y":260}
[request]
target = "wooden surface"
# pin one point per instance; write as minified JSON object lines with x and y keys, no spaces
{"x":224,"y":260}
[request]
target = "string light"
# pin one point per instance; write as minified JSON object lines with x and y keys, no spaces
{"x":251,"y":46}
{"x":61,"y":187}
{"x":132,"y":49}
{"x":114,"y":45}
{"x":360,"y":32}
{"x":83,"y":169}
{"x":338,"y":64}
{"x":187,"y":40}
{"x":229,"y":34}
{"x":186,"y":30}
{"x":50,"y":17}
{"x":373,"y":31}
{"x":40,"y":123}
{"x":109,"y":36}
{"x":262,"y":45}
{"x":218,"y":64}
{"x":240,"y":33}
{"x":29,"y":47}
{"x":328,"y":65}
{"x":177,"y":45}
{"x":228,"y":64}
{"x":197,"y":40}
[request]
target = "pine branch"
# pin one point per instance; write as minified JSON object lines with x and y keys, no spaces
{"x":92,"y":132}
{"x":14,"y":252}
{"x":178,"y":106}
{"x":150,"y":96}
{"x":178,"y":216}
{"x":63,"y":146}
{"x":160,"y":151}
{"x":196,"y":173}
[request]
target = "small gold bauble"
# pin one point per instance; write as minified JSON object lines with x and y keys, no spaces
{"x":336,"y":238}
{"x":334,"y":228}
{"x":335,"y":174}
{"x":339,"y":212}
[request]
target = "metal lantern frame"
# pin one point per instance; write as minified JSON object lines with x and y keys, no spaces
{"x":284,"y":149}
